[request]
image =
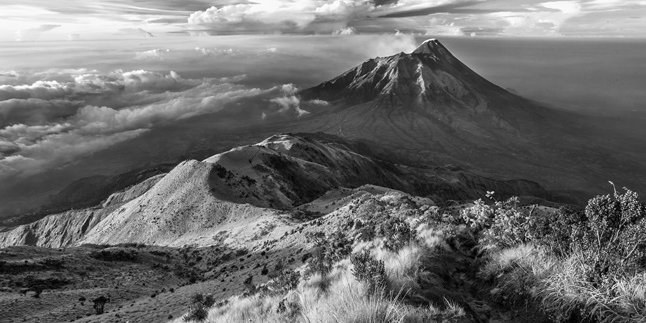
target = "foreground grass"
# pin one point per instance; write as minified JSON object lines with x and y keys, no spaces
{"x":559,"y":286}
{"x":339,"y":297}
{"x":532,"y":263}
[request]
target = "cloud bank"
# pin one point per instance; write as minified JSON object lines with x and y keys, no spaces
{"x":49,"y":123}
{"x":77,"y":19}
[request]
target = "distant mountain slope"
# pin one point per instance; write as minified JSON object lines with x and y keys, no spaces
{"x":66,"y":228}
{"x":430,"y":108}
{"x":245,"y":187}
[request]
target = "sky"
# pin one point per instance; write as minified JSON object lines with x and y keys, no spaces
{"x":29,"y":20}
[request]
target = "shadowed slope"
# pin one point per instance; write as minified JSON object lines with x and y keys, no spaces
{"x":238,"y":190}
{"x":430,"y":108}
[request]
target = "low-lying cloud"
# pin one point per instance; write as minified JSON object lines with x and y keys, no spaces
{"x":49,"y":123}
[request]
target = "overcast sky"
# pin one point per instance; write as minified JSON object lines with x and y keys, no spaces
{"x":29,"y":20}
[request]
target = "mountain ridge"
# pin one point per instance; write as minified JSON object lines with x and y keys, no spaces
{"x":197,"y":199}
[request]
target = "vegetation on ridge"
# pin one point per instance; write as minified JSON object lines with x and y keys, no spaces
{"x":489,"y":259}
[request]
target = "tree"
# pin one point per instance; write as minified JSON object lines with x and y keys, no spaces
{"x":99,"y":304}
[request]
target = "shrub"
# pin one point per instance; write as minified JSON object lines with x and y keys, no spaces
{"x":339,"y":245}
{"x":321,"y":262}
{"x":249,"y":286}
{"x":284,"y":282}
{"x":99,"y":304}
{"x":327,"y":251}
{"x":198,"y":310}
{"x":502,"y":224}
{"x":370,"y":271}
{"x":114,"y":254}
{"x":554,"y":230}
{"x":53,"y":263}
{"x":613,"y":235}
{"x":396,"y":233}
{"x":288,"y":308}
{"x":196,"y":313}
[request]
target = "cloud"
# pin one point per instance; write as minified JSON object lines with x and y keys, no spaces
{"x":146,"y":18}
{"x":289,"y":103}
{"x":85,"y":85}
{"x":34,"y":33}
{"x":441,"y":26}
{"x":306,"y":16}
{"x":7,"y":148}
{"x":35,"y":111}
{"x":344,"y":9}
{"x":268,"y":16}
{"x":570,"y":7}
{"x":44,"y":127}
{"x":152,"y":54}
{"x":345,"y":31}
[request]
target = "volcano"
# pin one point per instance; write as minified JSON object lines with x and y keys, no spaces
{"x":430,"y":108}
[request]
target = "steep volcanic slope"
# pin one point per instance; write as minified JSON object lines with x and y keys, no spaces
{"x":429,"y":107}
{"x":433,"y":85}
{"x":243,"y":189}
{"x":64,"y":229}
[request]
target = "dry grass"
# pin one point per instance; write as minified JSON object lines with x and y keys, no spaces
{"x":559,"y":286}
{"x":339,"y":297}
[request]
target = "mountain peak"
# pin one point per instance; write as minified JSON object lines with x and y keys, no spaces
{"x":430,"y":77}
{"x":431,"y":46}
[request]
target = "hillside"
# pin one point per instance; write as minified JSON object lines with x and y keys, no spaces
{"x":156,"y":283}
{"x":245,"y":186}
{"x":428,"y":107}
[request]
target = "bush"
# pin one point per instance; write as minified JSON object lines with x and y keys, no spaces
{"x":554,"y":230}
{"x":396,"y":233}
{"x":502,"y":224}
{"x":198,"y":309}
{"x":288,"y":308}
{"x":114,"y":254}
{"x":611,"y":232}
{"x":196,"y":313}
{"x":592,"y":268}
{"x":370,"y":271}
{"x":282,"y":283}
{"x":99,"y":304}
{"x":327,"y":251}
{"x":613,"y":236}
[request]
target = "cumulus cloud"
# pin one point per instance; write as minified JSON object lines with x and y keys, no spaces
{"x":49,"y":123}
{"x":468,"y":17}
{"x":272,"y":15}
{"x":83,"y":83}
{"x":152,"y":54}
{"x":290,"y":104}
{"x":310,"y":16}
{"x":345,"y":31}
{"x":441,"y":26}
